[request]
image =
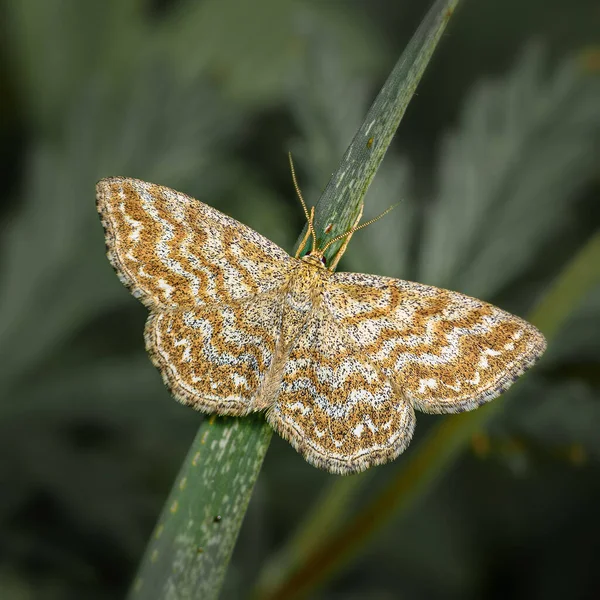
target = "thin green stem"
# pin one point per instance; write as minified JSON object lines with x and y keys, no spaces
{"x":191,"y":545}
{"x":349,"y":183}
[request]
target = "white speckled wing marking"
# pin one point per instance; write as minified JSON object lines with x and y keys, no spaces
{"x":334,"y":407}
{"x":172,"y":250}
{"x":216,"y":357}
{"x":446,"y":352}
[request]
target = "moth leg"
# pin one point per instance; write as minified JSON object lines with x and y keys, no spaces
{"x":340,"y":252}
{"x":309,"y":231}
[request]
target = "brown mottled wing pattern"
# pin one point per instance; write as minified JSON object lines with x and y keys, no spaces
{"x":213,"y":286}
{"x":338,"y":410}
{"x":172,"y":250}
{"x":446,"y":352}
{"x":217,"y":357}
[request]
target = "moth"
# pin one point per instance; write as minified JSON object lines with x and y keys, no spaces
{"x":338,"y":362}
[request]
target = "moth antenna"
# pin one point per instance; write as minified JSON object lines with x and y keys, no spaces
{"x":309,"y":216}
{"x":354,"y":229}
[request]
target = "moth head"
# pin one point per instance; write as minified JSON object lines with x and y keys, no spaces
{"x":316,"y":258}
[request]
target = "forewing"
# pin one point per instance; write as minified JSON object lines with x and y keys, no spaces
{"x":173,"y":251}
{"x":446,"y":352}
{"x":217,"y":357}
{"x":334,"y":407}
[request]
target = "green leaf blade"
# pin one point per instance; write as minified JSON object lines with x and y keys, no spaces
{"x":189,"y":551}
{"x":350,"y":182}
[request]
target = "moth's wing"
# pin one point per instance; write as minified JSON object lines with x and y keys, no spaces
{"x":172,"y":250}
{"x":217,"y":357}
{"x":334,"y":407}
{"x":447,"y":352}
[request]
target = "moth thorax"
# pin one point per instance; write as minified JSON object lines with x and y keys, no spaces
{"x":300,"y":297}
{"x":304,"y":288}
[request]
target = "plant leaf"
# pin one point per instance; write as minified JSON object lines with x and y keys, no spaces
{"x":349,"y":183}
{"x":190,"y":548}
{"x":109,"y":133}
{"x":525,"y":144}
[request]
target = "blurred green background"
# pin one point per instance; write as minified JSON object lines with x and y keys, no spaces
{"x":496,"y":165}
